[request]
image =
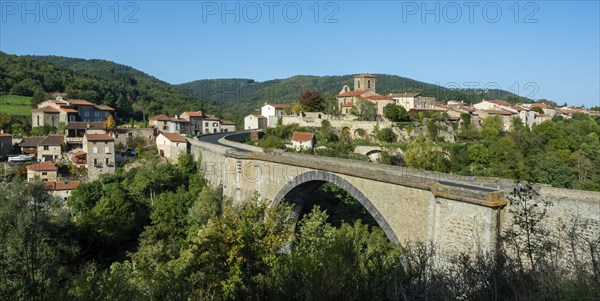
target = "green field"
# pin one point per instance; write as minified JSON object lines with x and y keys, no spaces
{"x":15,"y":105}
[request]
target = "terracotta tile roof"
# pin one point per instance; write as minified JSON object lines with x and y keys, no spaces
{"x":161,"y":117}
{"x":79,"y":153}
{"x":497,"y":112}
{"x":259,"y":116}
{"x":364,"y":75}
{"x":429,"y":109}
{"x":540,"y":105}
{"x":53,"y":140}
{"x":5,"y":135}
{"x":31,"y":141}
{"x":69,"y":110}
{"x":63,"y":185}
{"x":98,"y":137}
{"x":179,"y":120}
{"x":104,"y":108}
{"x":174,"y":137}
{"x":279,"y":105}
{"x":194,"y":114}
{"x":80,"y":102}
{"x":405,"y":94}
{"x":352,"y":93}
{"x":302,"y":136}
{"x":500,"y":102}
{"x":46,"y":110}
{"x":379,"y":97}
{"x":78,"y":125}
{"x":44,"y":166}
{"x":227,"y":122}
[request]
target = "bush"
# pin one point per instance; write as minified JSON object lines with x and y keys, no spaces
{"x":386,"y":135}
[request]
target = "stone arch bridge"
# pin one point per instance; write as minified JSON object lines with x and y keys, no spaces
{"x":453,"y":212}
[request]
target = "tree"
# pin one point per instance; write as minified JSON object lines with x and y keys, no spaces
{"x":422,"y":153}
{"x":394,"y":112}
{"x":538,"y":110}
{"x":331,"y":106}
{"x":492,"y":127}
{"x":386,"y":135}
{"x":364,"y":110}
{"x":526,"y":235}
{"x":110,"y":122}
{"x":312,"y":101}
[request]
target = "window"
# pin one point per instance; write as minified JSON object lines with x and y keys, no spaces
{"x":107,"y":161}
{"x":72,"y":118}
{"x":95,"y":162}
{"x":96,"y":114}
{"x":38,"y":120}
{"x":46,"y":147}
{"x":358,"y":84}
{"x":86,"y":114}
{"x":206,"y":124}
{"x":369,"y":84}
{"x":95,"y":150}
{"x":107,"y":150}
{"x":215,"y":124}
{"x":44,"y":173}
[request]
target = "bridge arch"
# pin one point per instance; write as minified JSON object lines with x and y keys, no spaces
{"x":304,"y":184}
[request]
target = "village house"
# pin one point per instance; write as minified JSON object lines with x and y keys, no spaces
{"x":195,"y":121}
{"x":5,"y":143}
{"x":303,"y":141}
{"x":412,"y":101}
{"x":211,"y":125}
{"x":273,"y":112}
{"x":171,"y":146}
{"x":255,"y":122}
{"x":50,"y":149}
{"x":178,"y":125}
{"x":100,"y":150}
{"x":161,"y":122}
{"x":29,"y":145}
{"x":227,"y":126}
{"x":45,"y":171}
{"x":56,"y":111}
{"x":61,"y":189}
{"x":74,"y":131}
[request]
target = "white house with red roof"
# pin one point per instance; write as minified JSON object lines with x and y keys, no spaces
{"x":170,"y":146}
{"x":303,"y":140}
{"x":255,"y":122}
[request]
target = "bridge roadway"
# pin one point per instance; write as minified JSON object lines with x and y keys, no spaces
{"x":483,"y":191}
{"x":455,"y":212}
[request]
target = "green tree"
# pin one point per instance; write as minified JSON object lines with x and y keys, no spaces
{"x":394,"y":112}
{"x":492,"y":128}
{"x":364,"y":110}
{"x":386,"y":135}
{"x":422,"y":153}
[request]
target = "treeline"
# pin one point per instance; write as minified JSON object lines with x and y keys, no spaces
{"x":244,"y":96}
{"x":132,"y":93}
{"x":560,"y":152}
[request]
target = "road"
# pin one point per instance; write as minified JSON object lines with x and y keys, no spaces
{"x":214,"y":139}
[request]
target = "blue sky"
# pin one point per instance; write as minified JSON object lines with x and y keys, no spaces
{"x":547,"y":49}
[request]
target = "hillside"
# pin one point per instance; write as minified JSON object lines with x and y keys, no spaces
{"x":245,"y":95}
{"x":131,"y":92}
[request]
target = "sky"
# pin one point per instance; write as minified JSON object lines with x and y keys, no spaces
{"x":543,"y":49}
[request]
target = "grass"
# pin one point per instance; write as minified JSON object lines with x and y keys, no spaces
{"x":15,"y":100}
{"x":15,"y":105}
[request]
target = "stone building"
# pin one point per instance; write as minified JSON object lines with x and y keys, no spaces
{"x":160,"y":122}
{"x":56,"y":111}
{"x":171,"y":146}
{"x":195,"y":121}
{"x":255,"y":122}
{"x":61,"y":189}
{"x":100,"y":149}
{"x":50,"y":148}
{"x":45,"y":171}
{"x":227,"y":126}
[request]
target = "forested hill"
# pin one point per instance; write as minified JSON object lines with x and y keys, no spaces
{"x":130,"y":91}
{"x":245,"y":95}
